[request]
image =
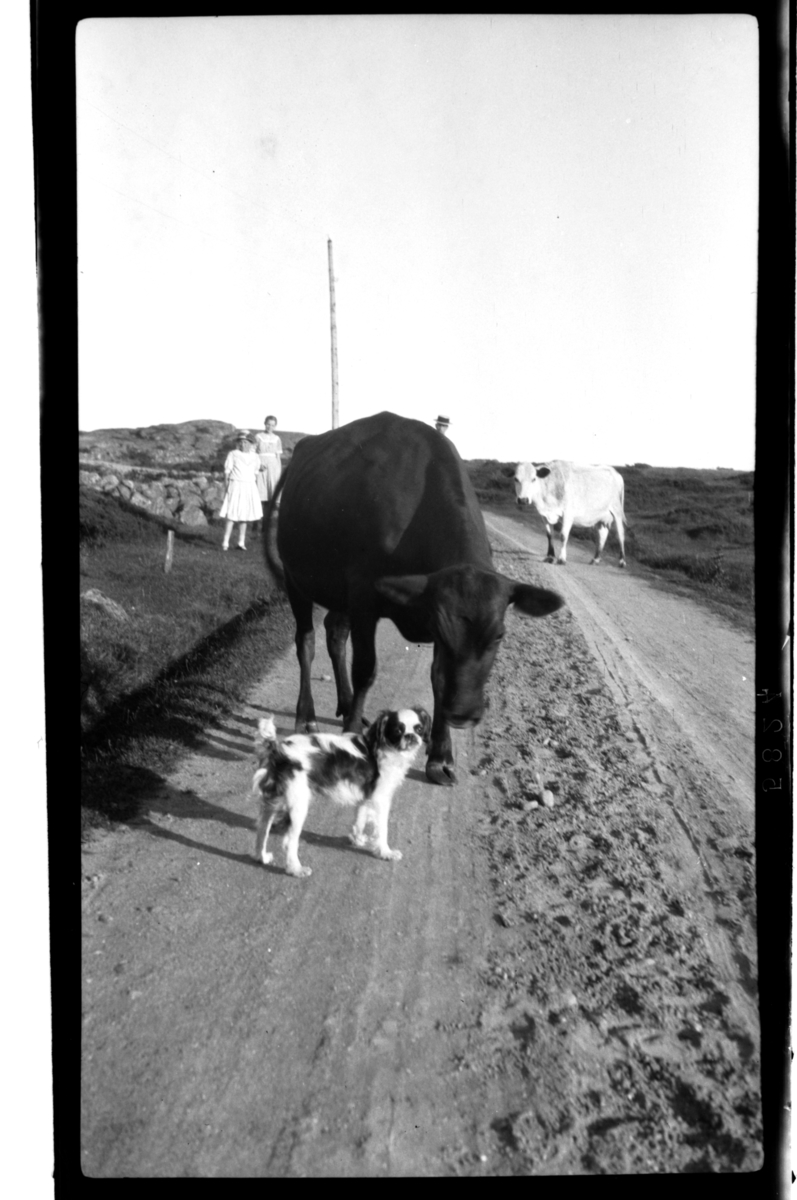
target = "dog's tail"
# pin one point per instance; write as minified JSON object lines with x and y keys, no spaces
{"x":272,"y":765}
{"x":266,"y":729}
{"x":265,"y":738}
{"x":269,"y":550}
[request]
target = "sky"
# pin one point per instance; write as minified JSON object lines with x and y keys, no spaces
{"x":543,"y":227}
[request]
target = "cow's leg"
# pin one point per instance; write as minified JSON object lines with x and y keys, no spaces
{"x":363,"y":668}
{"x":601,"y":534}
{"x":621,"y":538}
{"x":305,"y":652}
{"x":337,"y":627}
{"x":440,"y":762}
{"x":567,"y":525}
{"x":551,"y":555}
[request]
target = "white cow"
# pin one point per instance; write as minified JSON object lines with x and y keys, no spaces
{"x":567,"y":494}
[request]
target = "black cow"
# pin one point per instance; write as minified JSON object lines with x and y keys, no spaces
{"x":379,"y":519}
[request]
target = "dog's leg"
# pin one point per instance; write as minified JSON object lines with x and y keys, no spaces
{"x":263,"y":828}
{"x":381,"y":812}
{"x":298,"y":805}
{"x":358,"y":836}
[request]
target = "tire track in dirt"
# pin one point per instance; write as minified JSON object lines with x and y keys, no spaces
{"x":689,"y":749}
{"x":639,"y":910}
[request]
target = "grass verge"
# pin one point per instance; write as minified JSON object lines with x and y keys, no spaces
{"x":162,"y":655}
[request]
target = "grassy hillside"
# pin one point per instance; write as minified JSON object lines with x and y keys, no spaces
{"x":189,"y":446}
{"x":176,"y":653}
{"x":692,"y":527}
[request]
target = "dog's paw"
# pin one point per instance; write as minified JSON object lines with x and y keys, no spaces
{"x":299,"y":871}
{"x":387,"y":853}
{"x":266,"y":857}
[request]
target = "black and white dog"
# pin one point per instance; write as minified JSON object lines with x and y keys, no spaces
{"x":365,"y":770}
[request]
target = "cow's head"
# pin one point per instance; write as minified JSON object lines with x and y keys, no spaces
{"x":464,"y":608}
{"x":527,"y":477}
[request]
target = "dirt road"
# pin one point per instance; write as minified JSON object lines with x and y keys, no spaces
{"x":531,"y":990}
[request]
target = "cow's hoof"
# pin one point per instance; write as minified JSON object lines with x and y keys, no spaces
{"x":622,"y":564}
{"x":442,"y":773}
{"x":306,"y":727}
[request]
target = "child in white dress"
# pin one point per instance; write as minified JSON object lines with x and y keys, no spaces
{"x":241,"y":500}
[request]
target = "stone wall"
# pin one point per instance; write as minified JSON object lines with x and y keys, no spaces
{"x":173,"y":471}
{"x":185,"y":497}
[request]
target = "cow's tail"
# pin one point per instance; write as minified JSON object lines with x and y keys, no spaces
{"x":269,"y":547}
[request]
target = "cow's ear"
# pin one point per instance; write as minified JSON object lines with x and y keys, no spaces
{"x":534,"y":601}
{"x":542,"y":472}
{"x":402,"y":589}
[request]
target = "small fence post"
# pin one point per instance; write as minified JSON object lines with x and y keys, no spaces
{"x":167,"y":566}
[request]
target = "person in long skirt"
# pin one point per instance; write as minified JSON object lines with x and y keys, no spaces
{"x":269,"y":449}
{"x":241,"y":500}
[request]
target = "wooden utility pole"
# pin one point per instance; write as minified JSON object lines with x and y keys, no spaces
{"x":334,"y":335}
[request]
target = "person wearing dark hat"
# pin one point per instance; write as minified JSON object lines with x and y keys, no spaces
{"x":241,"y":500}
{"x":441,"y":425}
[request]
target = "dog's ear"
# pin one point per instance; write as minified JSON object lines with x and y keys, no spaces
{"x":375,"y":733}
{"x":426,"y":723}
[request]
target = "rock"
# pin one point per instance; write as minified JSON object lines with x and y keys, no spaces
{"x":160,"y":508}
{"x":548,"y":798}
{"x":152,"y":489}
{"x":192,"y":515}
{"x":94,"y":596}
